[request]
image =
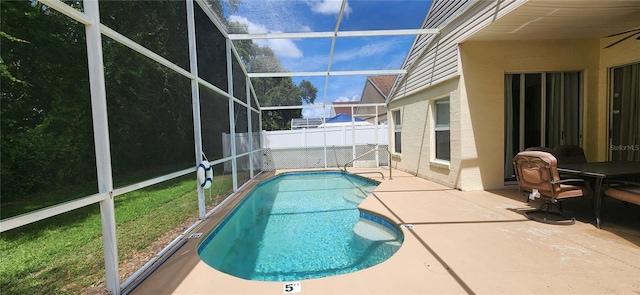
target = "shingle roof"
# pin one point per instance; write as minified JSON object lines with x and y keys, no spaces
{"x":384,"y":83}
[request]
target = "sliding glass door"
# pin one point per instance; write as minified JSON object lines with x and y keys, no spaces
{"x":541,"y":109}
{"x":625,"y":113}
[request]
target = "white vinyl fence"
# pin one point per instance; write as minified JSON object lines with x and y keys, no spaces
{"x":305,"y":148}
{"x":334,"y":136}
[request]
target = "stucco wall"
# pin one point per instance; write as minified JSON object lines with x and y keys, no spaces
{"x":484,"y":65}
{"x":477,"y":108}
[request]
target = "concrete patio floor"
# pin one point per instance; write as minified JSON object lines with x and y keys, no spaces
{"x":462,"y":242}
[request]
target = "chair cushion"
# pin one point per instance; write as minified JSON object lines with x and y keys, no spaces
{"x":541,"y":149}
{"x":567,"y":191}
{"x":571,"y":191}
{"x":627,"y":193}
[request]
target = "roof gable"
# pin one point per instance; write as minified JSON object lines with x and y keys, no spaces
{"x":383,"y":83}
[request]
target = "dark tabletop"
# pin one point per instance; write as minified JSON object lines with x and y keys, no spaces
{"x":602,"y":169}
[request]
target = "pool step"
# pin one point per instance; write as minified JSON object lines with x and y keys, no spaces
{"x":374,"y":231}
{"x":355,"y":196}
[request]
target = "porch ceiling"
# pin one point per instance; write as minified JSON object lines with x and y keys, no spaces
{"x":564,"y":19}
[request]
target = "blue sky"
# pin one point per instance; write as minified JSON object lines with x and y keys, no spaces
{"x":350,"y":54}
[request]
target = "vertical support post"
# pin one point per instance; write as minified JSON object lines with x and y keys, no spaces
{"x":195,"y":101}
{"x":304,"y":144}
{"x":522,"y":118}
{"x":232,"y":118}
{"x":304,"y":138}
{"x":324,"y":138}
{"x":353,"y":135}
{"x":247,"y":83}
{"x":102,"y":145}
{"x":263,"y":137}
{"x":375,"y":129}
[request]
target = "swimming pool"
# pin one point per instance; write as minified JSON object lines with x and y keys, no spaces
{"x":300,"y":226}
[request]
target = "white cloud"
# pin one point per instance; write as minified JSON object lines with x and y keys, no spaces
{"x":308,"y":64}
{"x":345,"y":99}
{"x":284,"y":48}
{"x":367,"y":50}
{"x":329,"y":7}
{"x":281,"y":47}
{"x":316,"y":112}
{"x":251,"y":26}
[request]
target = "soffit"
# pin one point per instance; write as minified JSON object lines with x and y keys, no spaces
{"x":565,"y":19}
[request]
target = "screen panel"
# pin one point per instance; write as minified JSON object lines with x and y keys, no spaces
{"x":150,"y":116}
{"x":47,"y":154}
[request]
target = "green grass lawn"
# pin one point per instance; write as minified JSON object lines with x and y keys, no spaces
{"x":64,"y":254}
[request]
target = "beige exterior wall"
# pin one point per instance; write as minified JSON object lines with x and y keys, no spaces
{"x":477,"y":106}
{"x":484,"y":65}
{"x":418,"y":149}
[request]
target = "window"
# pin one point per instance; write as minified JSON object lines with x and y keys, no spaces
{"x":397,"y":130}
{"x":442,"y":130}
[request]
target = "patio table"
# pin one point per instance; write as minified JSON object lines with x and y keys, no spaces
{"x":601,"y":171}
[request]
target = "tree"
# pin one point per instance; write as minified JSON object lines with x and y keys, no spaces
{"x":46,"y":133}
{"x":279,"y":91}
{"x":46,"y":120}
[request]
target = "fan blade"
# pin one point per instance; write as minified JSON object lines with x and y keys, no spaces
{"x":625,"y":38}
{"x":622,"y":33}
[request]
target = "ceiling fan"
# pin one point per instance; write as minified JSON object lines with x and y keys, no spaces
{"x":634,"y":32}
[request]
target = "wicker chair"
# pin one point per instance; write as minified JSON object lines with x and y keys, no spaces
{"x":537,"y":176}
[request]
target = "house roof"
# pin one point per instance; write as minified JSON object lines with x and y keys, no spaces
{"x":299,"y":123}
{"x":383,"y":83}
{"x":343,"y":118}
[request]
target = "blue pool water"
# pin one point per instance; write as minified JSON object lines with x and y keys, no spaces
{"x":300,"y":226}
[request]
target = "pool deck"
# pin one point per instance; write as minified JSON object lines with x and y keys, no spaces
{"x":462,"y":242}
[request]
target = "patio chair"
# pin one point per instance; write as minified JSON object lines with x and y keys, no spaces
{"x":541,"y":149}
{"x":569,"y":154}
{"x":537,"y":175}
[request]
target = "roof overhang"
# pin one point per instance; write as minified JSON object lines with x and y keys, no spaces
{"x":563,"y":19}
